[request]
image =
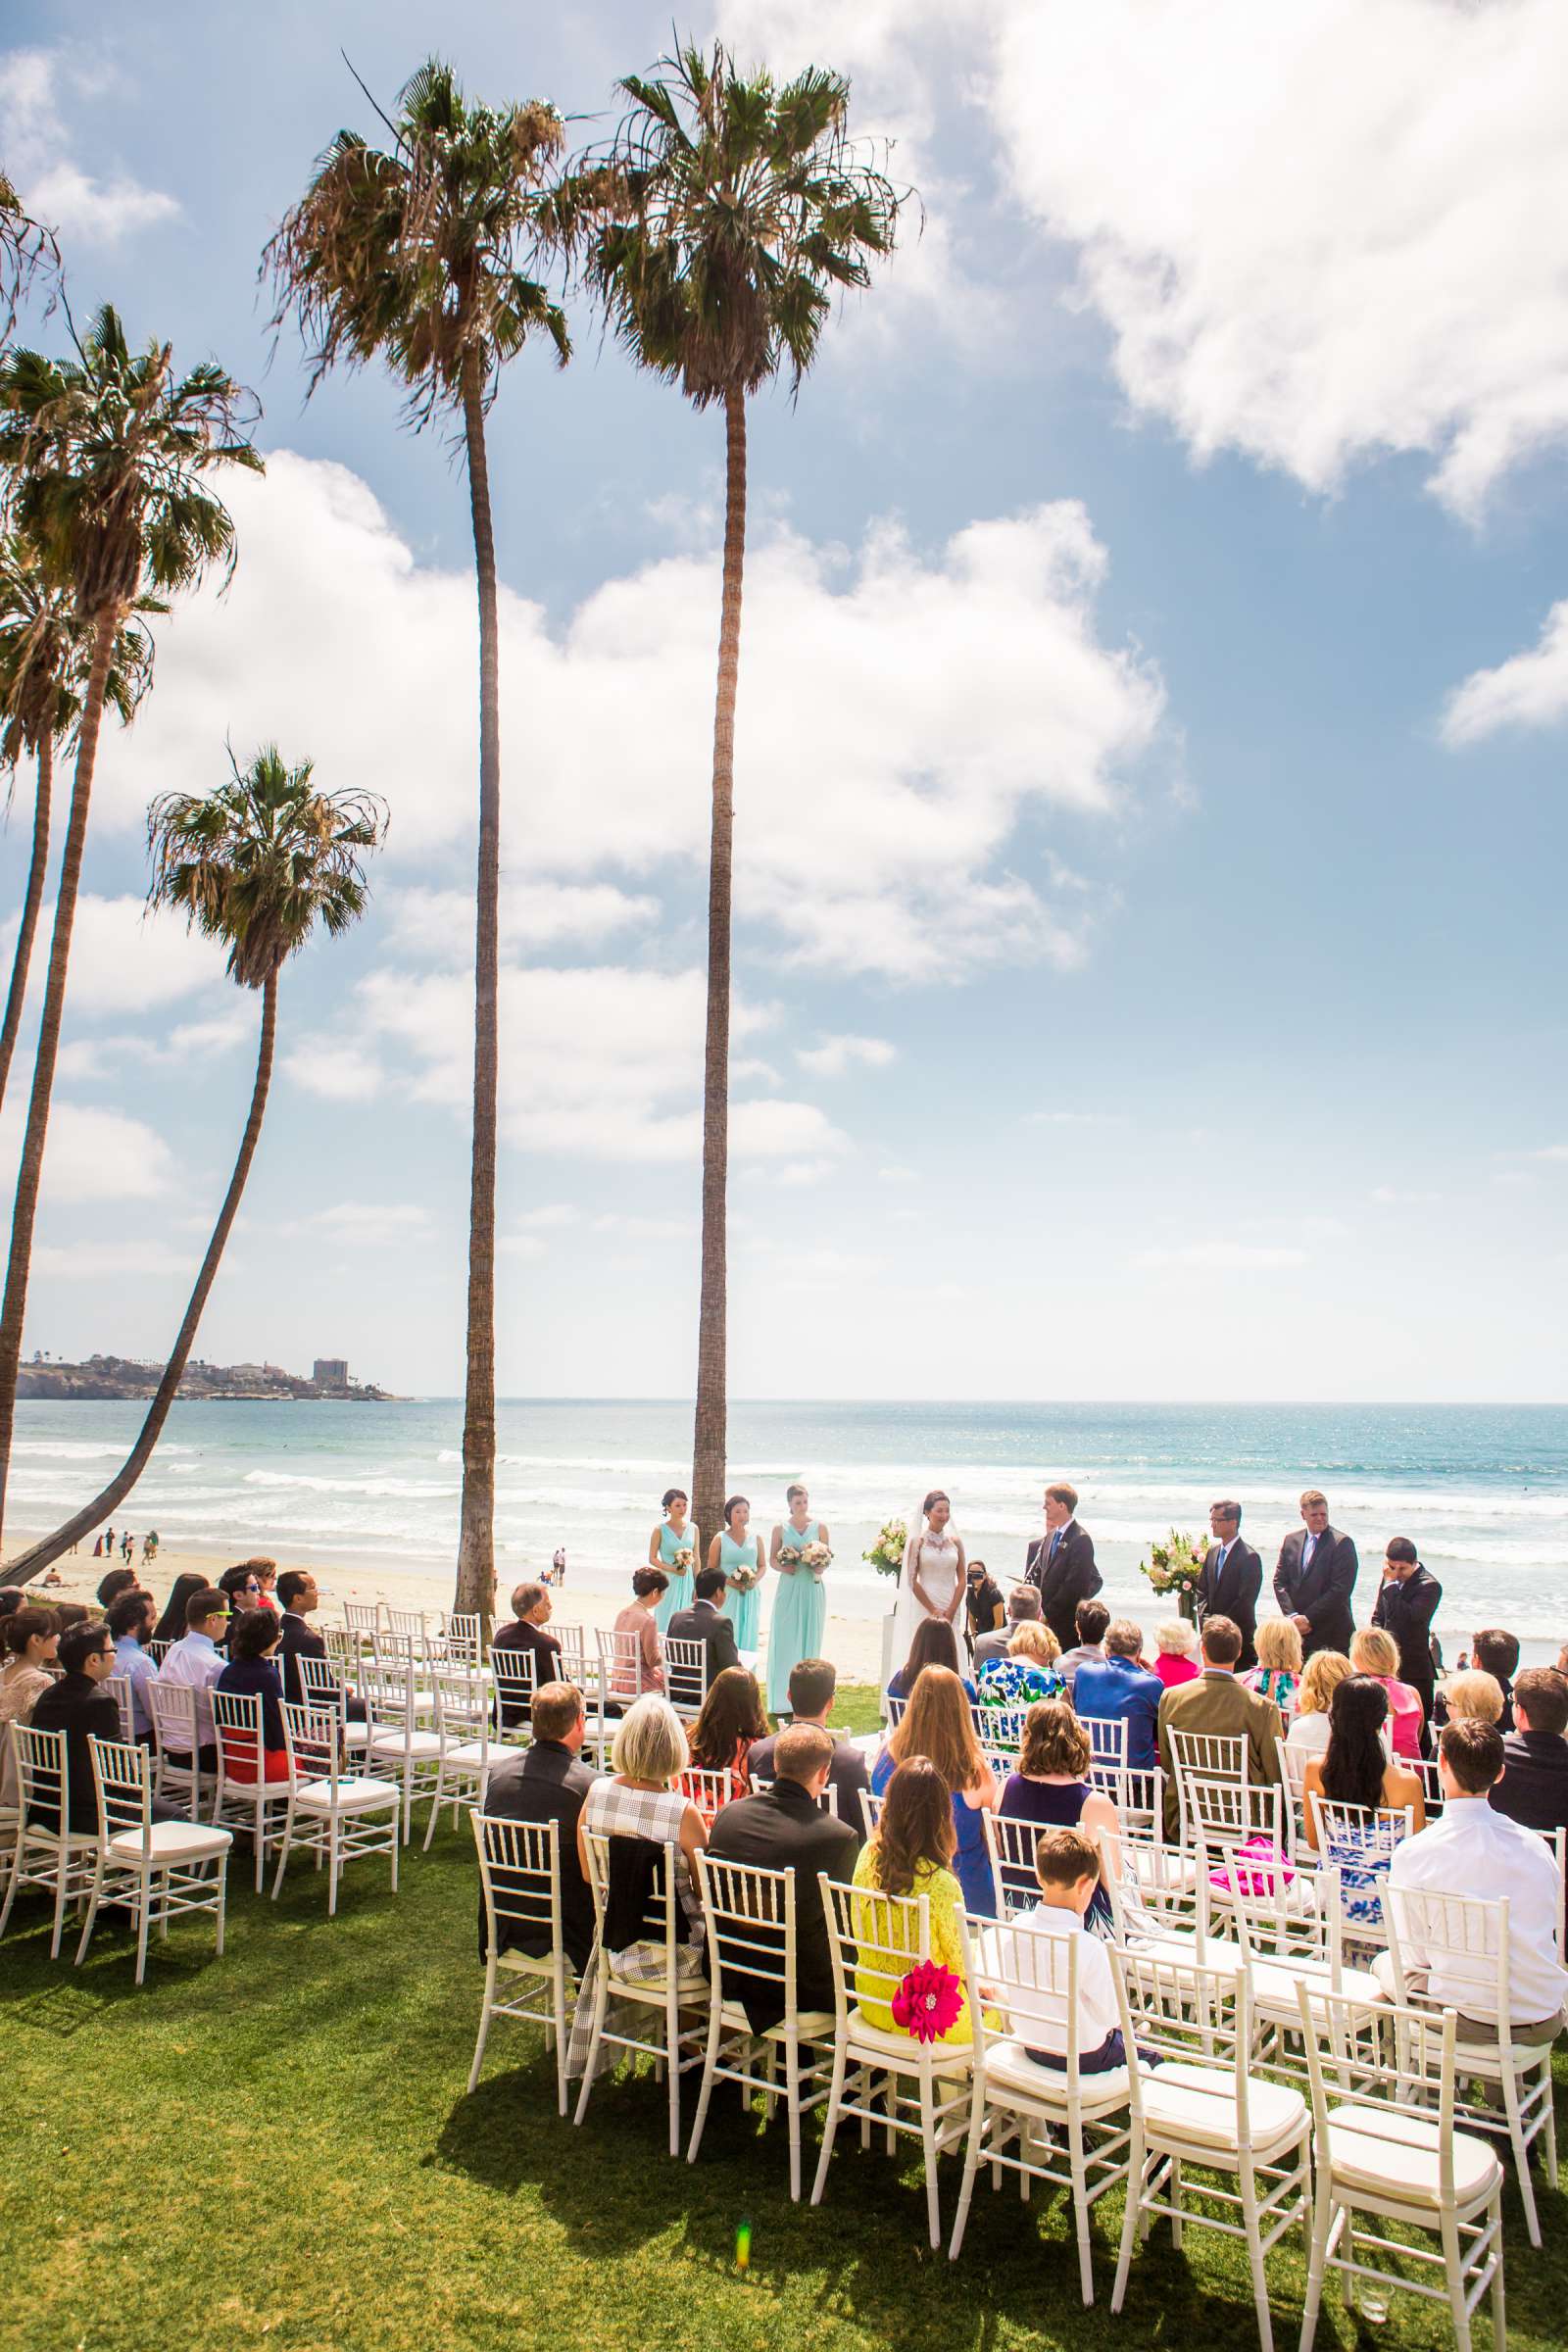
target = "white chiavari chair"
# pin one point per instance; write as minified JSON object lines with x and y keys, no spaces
{"x":400,"y":1745}
{"x":178,"y":1729}
{"x":1289,"y":1930}
{"x":686,"y":1676}
{"x":118,"y":1689}
{"x":870,"y":1811}
{"x":677,"y":2028}
{"x":464,"y":1722}
{"x":58,"y":1859}
{"x":512,"y":1673}
{"x":244,"y":1799}
{"x":462,"y":1637}
{"x":158,"y":1651}
{"x":158,"y":1870}
{"x":323,"y":1690}
{"x":1107,"y":1750}
{"x":339,"y":1815}
{"x":1204,"y":1755}
{"x":1358,"y":1841}
{"x":709,"y":1791}
{"x":519,"y":1873}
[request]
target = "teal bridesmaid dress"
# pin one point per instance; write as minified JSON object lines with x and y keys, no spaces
{"x":679,"y":1595}
{"x":799,"y":1614}
{"x":744,"y":1607}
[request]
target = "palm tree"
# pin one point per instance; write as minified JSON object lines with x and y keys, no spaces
{"x":45,"y":654}
{"x":734,"y":208}
{"x":412,"y":254}
{"x":256,"y":866}
{"x":26,"y":247}
{"x":108,"y":456}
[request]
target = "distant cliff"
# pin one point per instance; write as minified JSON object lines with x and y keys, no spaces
{"x":109,"y":1377}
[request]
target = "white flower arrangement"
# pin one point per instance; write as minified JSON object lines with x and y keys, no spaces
{"x":886,"y":1554}
{"x":817,"y":1557}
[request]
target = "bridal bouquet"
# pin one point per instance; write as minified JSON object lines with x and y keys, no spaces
{"x":743,"y":1579}
{"x":1174,"y":1566}
{"x":683,"y":1558}
{"x":815,"y":1557}
{"x":886,"y":1554}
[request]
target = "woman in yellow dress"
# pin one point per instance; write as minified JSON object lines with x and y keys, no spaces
{"x":910,"y":1854}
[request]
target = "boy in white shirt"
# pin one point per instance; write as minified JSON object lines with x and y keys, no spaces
{"x":1067,"y":1867}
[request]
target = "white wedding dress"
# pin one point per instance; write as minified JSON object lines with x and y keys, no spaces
{"x":938,"y":1559}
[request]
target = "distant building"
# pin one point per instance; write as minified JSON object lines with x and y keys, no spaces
{"x":330,"y":1372}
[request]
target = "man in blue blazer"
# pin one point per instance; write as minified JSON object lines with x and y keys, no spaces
{"x":1120,"y":1686}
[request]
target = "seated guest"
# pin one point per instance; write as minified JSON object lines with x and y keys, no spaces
{"x":934,"y":1643}
{"x":252,"y":1673}
{"x":266,"y":1574}
{"x":548,"y":1782}
{"x":910,"y":1853}
{"x":1023,"y":1608}
{"x":642,"y":1808}
{"x":707,"y":1621}
{"x":937,"y":1723}
{"x":111,"y":1586}
{"x":787,"y":1829}
{"x":1534,"y":1788}
{"x":1090,"y":1620}
{"x":1471,"y":1697}
{"x":298,"y":1597}
{"x":1218,"y":1703}
{"x":31,"y":1640}
{"x":1471,"y":1850}
{"x":530,"y":1614}
{"x":1321,"y":1677}
{"x":1278,"y":1672}
{"x":1067,"y":1872}
{"x":1052,"y":1786}
{"x":731,"y":1721}
{"x":1497,"y":1653}
{"x":133,"y":1614}
{"x":813,"y":1683}
{"x":1175,"y":1659}
{"x":647,"y":1588}
{"x":172,"y":1624}
{"x":1356,"y":1769}
{"x":78,"y":1705}
{"x":11,"y":1597}
{"x":984,"y":1608}
{"x":1030,"y":1670}
{"x":1406,"y":1604}
{"x":241,"y":1589}
{"x":1123,"y":1690}
{"x":196,"y":1661}
{"x":1375,"y":1652}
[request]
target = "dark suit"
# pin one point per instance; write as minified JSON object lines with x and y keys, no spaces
{"x":701,"y":1622}
{"x":299,"y":1641}
{"x":1406,"y":1610}
{"x":1321,"y":1591}
{"x":1232,"y":1591}
{"x":787,"y":1829}
{"x":1062,"y":1568}
{"x":548,"y":1783}
{"x":82,"y":1709}
{"x":847,"y":1775}
{"x":542,"y":1649}
{"x":1534,"y":1788}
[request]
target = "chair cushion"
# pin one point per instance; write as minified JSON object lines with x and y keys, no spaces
{"x":1196,"y":2105}
{"x":951,"y":2058}
{"x":815,"y":2025}
{"x":172,"y":1842}
{"x":1394,"y":2158}
{"x":355,"y":1794}
{"x":1274,"y":1983}
{"x":1225,"y":1959}
{"x":422,"y":1747}
{"x":1009,"y":2068}
{"x":472,"y":1755}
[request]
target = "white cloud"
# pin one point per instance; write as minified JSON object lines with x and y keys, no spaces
{"x":898,"y":1175}
{"x":836,"y":1056}
{"x":1552,"y":1152}
{"x":124,"y":960}
{"x":338,"y":1074}
{"x":366,"y":1224}
{"x":1530,"y":690}
{"x":1220,"y":1257}
{"x":52,"y":184}
{"x":106,"y":1057}
{"x":549,"y":1216}
{"x":438,"y":924}
{"x":97,"y":1261}
{"x":92,"y":1154}
{"x":1390,"y":1196}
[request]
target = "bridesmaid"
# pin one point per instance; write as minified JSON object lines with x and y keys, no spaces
{"x":736,"y":1549}
{"x":673,"y":1537}
{"x":800,"y":1605}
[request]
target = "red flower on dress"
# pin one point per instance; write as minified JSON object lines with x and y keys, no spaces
{"x":927,"y":2002}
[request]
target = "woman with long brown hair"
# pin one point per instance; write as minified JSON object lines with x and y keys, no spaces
{"x":937,"y":1723}
{"x":731,"y":1720}
{"x":1052,"y":1786}
{"x":911,"y":1854}
{"x":934,"y":1643}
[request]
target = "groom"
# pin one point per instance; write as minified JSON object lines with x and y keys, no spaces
{"x":1060,"y":1565}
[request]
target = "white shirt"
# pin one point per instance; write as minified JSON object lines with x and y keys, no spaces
{"x":1037,"y":2021}
{"x":193,"y":1660}
{"x":1308,"y":1734}
{"x":1471,"y":1850}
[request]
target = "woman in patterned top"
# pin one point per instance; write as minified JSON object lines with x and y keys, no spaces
{"x":1355,"y":1769}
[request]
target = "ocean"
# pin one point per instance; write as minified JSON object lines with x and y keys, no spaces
{"x":1483,"y":1490}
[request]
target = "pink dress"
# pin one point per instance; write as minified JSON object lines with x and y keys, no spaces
{"x":1172,"y":1670}
{"x":1406,"y":1715}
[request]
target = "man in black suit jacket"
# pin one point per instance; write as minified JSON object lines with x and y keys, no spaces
{"x":296,"y":1597}
{"x":1406,"y":1604}
{"x":813,"y":1683}
{"x":1534,"y":1788}
{"x":1061,"y":1565}
{"x":787,"y":1829}
{"x":707,"y":1623}
{"x":1317,"y":1578}
{"x":79,"y":1705}
{"x":1232,"y":1577}
{"x":548,"y":1783}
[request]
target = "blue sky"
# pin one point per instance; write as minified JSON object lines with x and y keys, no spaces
{"x":1151,"y":808}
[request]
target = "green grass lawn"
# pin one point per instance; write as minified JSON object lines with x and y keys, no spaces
{"x":275,"y":2149}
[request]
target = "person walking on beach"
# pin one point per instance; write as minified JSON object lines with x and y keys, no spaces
{"x":800,"y":1605}
{"x":1060,"y":1565}
{"x":672,"y":1546}
{"x":934,"y":1579}
{"x":1315,"y":1579}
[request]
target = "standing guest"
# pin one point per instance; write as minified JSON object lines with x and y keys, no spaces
{"x":728,"y":1727}
{"x":1090,"y":1620}
{"x":1278,"y":1672}
{"x":1534,"y":1788}
{"x":1176,"y":1652}
{"x":1321,"y":1677}
{"x":1473,"y":1849}
{"x":935,"y":1645}
{"x":787,"y":1829}
{"x":1497,"y":1653}
{"x":530,"y":1614}
{"x":1232,"y":1577}
{"x":813,"y":1684}
{"x":1375,"y":1652}
{"x":1061,"y":1564}
{"x":1470,"y":1696}
{"x":1406,"y":1607}
{"x":1052,"y":1787}
{"x":1315,"y":1578}
{"x":297,"y":1591}
{"x":252,"y":1673}
{"x":738,"y":1553}
{"x":78,"y":1705}
{"x":195,"y":1661}
{"x":800,"y":1605}
{"x":32,"y":1640}
{"x":1023,"y":1608}
{"x":1067,"y":1870}
{"x":1123,"y":1690}
{"x":911,"y":1853}
{"x":647,"y":1588}
{"x":549,"y":1781}
{"x":173,"y":1624}
{"x":132,"y":1618}
{"x":937,"y":1723}
{"x":241,"y":1589}
{"x":933,"y":1579}
{"x":1218,"y":1703}
{"x":983,"y":1609}
{"x":117,"y":1581}
{"x":1356,"y":1769}
{"x":672,"y":1546}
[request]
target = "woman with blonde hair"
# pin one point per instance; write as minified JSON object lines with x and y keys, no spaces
{"x":1375,"y":1653}
{"x":641,"y":1803}
{"x":937,"y":1723}
{"x":1278,"y":1672}
{"x":910,"y":1853}
{"x":1176,"y":1653}
{"x":1321,"y":1677}
{"x":1471,"y":1696}
{"x":1052,"y":1786}
{"x":1028,"y":1671}
{"x":1034,"y":1640}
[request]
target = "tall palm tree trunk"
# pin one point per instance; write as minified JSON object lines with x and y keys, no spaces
{"x":24,"y":1214}
{"x":708,"y":1441}
{"x":34,"y":1562}
{"x":17,"y":995}
{"x":476,"y":1547}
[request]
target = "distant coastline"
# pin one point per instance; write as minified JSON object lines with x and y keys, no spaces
{"x":114,"y":1379}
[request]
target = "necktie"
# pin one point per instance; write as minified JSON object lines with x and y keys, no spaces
{"x":1055,"y":1543}
{"x":1219,"y":1564}
{"x":1307,"y":1549}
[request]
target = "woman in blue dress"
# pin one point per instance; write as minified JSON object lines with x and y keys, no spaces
{"x":740,"y":1554}
{"x":672,"y":1546}
{"x":800,"y":1605}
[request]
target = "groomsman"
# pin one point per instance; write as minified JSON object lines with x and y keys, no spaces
{"x":1232,"y":1577}
{"x":1316,"y":1577}
{"x":1406,"y":1604}
{"x":1060,"y":1565}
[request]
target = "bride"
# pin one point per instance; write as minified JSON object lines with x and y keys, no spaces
{"x":933,"y":1581}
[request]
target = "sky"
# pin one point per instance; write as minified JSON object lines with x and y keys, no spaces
{"x":1150,"y":836}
